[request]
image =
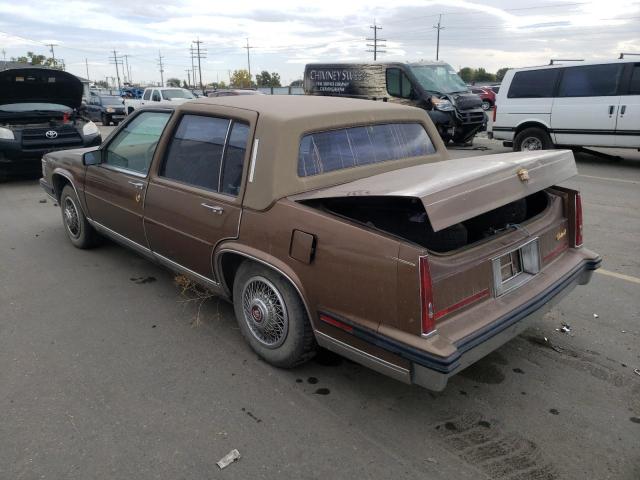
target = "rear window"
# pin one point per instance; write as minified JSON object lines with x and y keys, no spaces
{"x":534,"y":83}
{"x":590,"y":81}
{"x":325,"y":152}
{"x":634,"y":86}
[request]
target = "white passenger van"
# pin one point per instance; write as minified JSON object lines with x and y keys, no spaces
{"x":595,"y":104}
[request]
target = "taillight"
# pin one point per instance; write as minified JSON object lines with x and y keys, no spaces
{"x":578,"y":212}
{"x":426,"y":296}
{"x":495,"y":110}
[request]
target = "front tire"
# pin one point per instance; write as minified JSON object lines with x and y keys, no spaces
{"x":531,"y":139}
{"x":486,"y":105}
{"x":271,"y":316}
{"x":80,"y":232}
{"x":105,"y":120}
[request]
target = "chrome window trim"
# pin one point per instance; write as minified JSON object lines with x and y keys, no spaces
{"x":126,"y":171}
{"x":502,"y":288}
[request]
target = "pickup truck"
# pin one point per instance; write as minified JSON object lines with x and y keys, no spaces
{"x":336,"y":223}
{"x":158,"y":96}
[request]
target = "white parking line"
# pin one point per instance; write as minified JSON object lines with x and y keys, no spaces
{"x":621,"y":276}
{"x":609,"y":179}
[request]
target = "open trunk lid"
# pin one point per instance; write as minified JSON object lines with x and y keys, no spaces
{"x":453,"y":191}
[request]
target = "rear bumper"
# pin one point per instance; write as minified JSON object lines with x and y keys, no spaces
{"x":432,"y":371}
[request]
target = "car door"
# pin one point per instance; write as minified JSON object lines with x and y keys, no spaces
{"x":585,"y":109}
{"x":93,"y":108}
{"x":146,"y":97}
{"x":115,"y":188}
{"x":193,"y":199}
{"x":628,"y":126}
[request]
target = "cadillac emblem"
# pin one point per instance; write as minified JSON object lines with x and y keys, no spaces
{"x":51,"y":134}
{"x":523,"y":175}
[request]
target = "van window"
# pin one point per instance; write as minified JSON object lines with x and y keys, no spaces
{"x":195,"y":153}
{"x":398,"y":84}
{"x":324,"y":152}
{"x":156,"y":96}
{"x":634,"y":86}
{"x":534,"y":83}
{"x":147,"y":95}
{"x":590,"y":81}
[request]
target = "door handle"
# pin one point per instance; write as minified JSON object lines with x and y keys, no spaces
{"x":611,"y":109}
{"x":217,"y":209}
{"x":623,"y":109}
{"x":138,"y":185}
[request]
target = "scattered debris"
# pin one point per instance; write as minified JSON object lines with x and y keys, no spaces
{"x":595,"y":315}
{"x":195,"y":293}
{"x":565,"y":328}
{"x":229,"y":458}
{"x":432,"y":460}
{"x":44,"y":200}
{"x":636,"y":371}
{"x":623,"y":331}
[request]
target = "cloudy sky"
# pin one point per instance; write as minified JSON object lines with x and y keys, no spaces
{"x":286,"y":34}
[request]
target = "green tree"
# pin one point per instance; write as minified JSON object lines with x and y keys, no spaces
{"x":275,"y":80}
{"x":501,"y":73}
{"x":241,"y":79}
{"x":173,"y":82}
{"x":184,"y":84}
{"x":466,"y":74}
{"x":263,"y":79}
{"x":297,"y":83}
{"x":481,"y":75}
{"x":35,"y":59}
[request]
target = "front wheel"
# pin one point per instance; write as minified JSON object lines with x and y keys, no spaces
{"x":271,"y":316}
{"x":486,"y":105}
{"x":105,"y":120}
{"x":532,"y":139}
{"x":79,"y":231}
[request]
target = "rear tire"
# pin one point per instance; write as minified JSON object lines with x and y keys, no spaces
{"x":105,"y":120}
{"x":271,"y":316}
{"x":531,"y":139}
{"x":80,"y":232}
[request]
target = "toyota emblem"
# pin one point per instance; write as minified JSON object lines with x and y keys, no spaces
{"x":51,"y":134}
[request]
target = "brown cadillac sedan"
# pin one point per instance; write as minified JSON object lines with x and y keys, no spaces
{"x":338,"y":223}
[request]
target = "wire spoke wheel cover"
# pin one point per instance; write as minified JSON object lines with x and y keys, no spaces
{"x":71,"y":218}
{"x":265,"y":312}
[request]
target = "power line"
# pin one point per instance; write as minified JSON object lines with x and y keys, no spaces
{"x":438,"y":27}
{"x":375,"y":41}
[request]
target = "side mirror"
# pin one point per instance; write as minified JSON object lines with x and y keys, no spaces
{"x":91,"y":158}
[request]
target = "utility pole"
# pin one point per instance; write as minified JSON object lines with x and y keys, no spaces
{"x":126,"y":63}
{"x":53,"y":54}
{"x":4,"y":55}
{"x":375,"y":41}
{"x":438,"y":27}
{"x":200,"y":53}
{"x":188,"y":77}
{"x":249,"y":47}
{"x":160,"y":57}
{"x":86,"y":64}
{"x":117,"y":61}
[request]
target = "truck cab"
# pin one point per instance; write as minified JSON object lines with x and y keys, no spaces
{"x":159,"y":97}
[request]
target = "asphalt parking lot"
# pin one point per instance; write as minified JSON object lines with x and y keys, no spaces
{"x":105,"y":372}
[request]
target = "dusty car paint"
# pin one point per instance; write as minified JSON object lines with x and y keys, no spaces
{"x":359,"y":285}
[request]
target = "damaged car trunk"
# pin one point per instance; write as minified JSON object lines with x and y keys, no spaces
{"x":448,"y":213}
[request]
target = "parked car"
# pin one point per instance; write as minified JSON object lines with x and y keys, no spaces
{"x":159,"y":96}
{"x":573,"y":105}
{"x":336,"y":223}
{"x":487,"y":96}
{"x":105,"y":108}
{"x":226,"y":92}
{"x":433,"y":86}
{"x":39,"y":113}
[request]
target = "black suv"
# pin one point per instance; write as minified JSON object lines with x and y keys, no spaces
{"x":39,"y":113}
{"x":105,"y":109}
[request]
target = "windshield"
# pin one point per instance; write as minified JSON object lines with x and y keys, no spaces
{"x":438,"y":78}
{"x":30,"y":107}
{"x":176,"y":93}
{"x":111,"y":100}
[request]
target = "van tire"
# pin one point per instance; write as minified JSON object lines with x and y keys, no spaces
{"x":532,"y":138}
{"x":260,"y":291}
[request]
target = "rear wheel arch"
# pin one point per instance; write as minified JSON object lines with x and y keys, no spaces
{"x":228,"y":262}
{"x":531,"y":124}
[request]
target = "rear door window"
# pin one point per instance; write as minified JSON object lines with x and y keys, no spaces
{"x":590,"y":81}
{"x":324,"y":152}
{"x":534,"y":83}
{"x":634,"y":85}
